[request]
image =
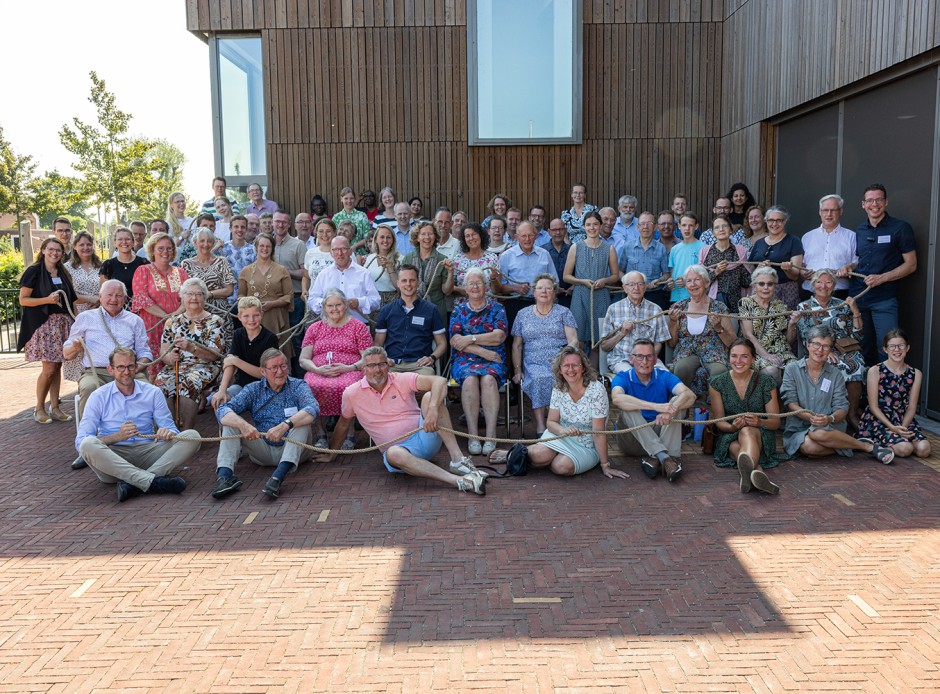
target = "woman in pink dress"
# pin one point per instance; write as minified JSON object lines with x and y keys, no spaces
{"x":156,"y":289}
{"x":332,"y":357}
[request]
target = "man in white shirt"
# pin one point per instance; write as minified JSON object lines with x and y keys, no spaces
{"x":353,"y":279}
{"x":830,"y":246}
{"x":444,"y":223}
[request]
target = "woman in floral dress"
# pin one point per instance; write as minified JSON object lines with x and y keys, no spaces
{"x":472,"y":255}
{"x":893,"y":394}
{"x":769,"y":335}
{"x":217,"y":274}
{"x":574,"y":217}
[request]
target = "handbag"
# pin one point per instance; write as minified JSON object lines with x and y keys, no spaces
{"x":708,"y":439}
{"x":844,"y":345}
{"x":516,"y":462}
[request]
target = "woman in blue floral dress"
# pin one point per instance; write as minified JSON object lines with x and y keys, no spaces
{"x":478,"y":332}
{"x":574,"y":217}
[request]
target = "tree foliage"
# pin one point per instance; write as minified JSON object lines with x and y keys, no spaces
{"x":167,"y":161}
{"x":17,"y":191}
{"x":58,"y":195}
{"x":118,"y":171}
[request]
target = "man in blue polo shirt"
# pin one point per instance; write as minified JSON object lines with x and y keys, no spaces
{"x":886,"y":253}
{"x":411,"y":329}
{"x":645,"y":394}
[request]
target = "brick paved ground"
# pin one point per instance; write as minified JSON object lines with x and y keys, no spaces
{"x":357,"y":581}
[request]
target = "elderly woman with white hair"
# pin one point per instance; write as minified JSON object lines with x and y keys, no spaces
{"x":216,"y":272}
{"x":700,"y":336}
{"x":764,"y":323}
{"x":845,"y":323}
{"x":194,"y":341}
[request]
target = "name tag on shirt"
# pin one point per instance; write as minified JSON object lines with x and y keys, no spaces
{"x":826,"y":385}
{"x":417,"y":320}
{"x":57,"y":280}
{"x":290,"y":411}
{"x":884,"y":239}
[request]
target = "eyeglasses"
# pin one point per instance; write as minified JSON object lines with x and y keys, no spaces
{"x":279,"y":367}
{"x":125,"y":367}
{"x":820,"y":346}
{"x":828,"y":211}
{"x":873,"y":201}
{"x":776,"y":221}
{"x":633,"y":285}
{"x":765,"y":284}
{"x":896,"y":348}
{"x":376,"y":365}
{"x":643,"y":357}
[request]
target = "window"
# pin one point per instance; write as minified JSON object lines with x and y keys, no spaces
{"x":524,"y":72}
{"x":238,"y":109}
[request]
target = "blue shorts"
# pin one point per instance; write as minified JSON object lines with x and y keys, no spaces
{"x":421,"y":444}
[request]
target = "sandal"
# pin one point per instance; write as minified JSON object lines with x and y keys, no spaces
{"x":43,"y":419}
{"x":60,"y":416}
{"x":348,"y":444}
{"x":882,"y":454}
{"x":321,"y":442}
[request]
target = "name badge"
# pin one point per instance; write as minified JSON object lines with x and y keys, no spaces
{"x":57,"y":280}
{"x":290,"y":411}
{"x":417,"y":320}
{"x":826,"y":385}
{"x":884,"y":239}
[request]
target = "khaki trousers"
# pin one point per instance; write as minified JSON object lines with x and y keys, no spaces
{"x":649,"y":440}
{"x":263,"y":453}
{"x":137,"y":463}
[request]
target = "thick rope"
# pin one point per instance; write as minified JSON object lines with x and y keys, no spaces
{"x":526,"y":442}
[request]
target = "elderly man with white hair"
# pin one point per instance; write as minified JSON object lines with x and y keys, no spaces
{"x":626,"y":227}
{"x":830,"y":246}
{"x":630,"y":319}
{"x":96,"y":333}
{"x":351,"y":278}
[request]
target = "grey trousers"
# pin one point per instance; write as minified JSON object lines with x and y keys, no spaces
{"x":650,"y":440}
{"x":262,"y":453}
{"x":137,"y":463}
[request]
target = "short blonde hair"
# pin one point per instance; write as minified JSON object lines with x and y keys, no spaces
{"x":247,"y":302}
{"x":157,"y":238}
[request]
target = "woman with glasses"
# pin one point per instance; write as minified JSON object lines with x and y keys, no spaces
{"x":845,"y":322}
{"x":764,"y":323}
{"x":722,"y":260}
{"x":783,"y":248}
{"x":893,"y":394}
{"x":746,"y":441}
{"x":818,"y":387}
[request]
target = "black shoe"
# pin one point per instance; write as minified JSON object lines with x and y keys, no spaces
{"x":651,"y":468}
{"x":167,"y":485}
{"x":672,"y":468}
{"x":79,"y":463}
{"x":273,"y":488}
{"x":225,"y":486}
{"x":126,"y":491}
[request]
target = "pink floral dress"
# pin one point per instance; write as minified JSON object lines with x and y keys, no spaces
{"x":343,"y":345}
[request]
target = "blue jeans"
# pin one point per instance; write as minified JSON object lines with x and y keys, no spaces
{"x":878,"y":317}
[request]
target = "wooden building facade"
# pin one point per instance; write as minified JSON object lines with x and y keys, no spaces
{"x":678,"y":96}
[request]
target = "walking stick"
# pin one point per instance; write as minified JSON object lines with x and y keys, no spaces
{"x":176,"y":369}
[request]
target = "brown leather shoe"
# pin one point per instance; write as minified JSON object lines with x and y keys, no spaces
{"x":672,"y":468}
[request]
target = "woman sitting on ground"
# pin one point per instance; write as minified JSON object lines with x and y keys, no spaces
{"x":195,"y":340}
{"x":540,"y":332}
{"x":746,"y":440}
{"x":699,"y":342}
{"x":578,"y":404}
{"x":332,"y":357}
{"x":893,"y":394}
{"x":845,"y":323}
{"x":768,"y":334}
{"x":478,"y":332}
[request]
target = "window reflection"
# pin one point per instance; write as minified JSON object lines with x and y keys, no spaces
{"x":241,"y":102}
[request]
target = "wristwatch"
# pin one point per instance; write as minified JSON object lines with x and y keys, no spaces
{"x":290,"y":424}
{"x":473,"y":339}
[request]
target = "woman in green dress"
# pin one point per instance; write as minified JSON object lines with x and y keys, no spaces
{"x":746,"y":439}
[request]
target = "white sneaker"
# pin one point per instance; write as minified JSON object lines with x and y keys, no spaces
{"x":488,"y":447}
{"x":472,"y":483}
{"x":465,"y":466}
{"x":474,"y":447}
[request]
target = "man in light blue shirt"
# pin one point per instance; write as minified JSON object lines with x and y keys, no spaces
{"x":111,"y":435}
{"x":626,"y":227}
{"x":403,"y":229}
{"x":520,"y":265}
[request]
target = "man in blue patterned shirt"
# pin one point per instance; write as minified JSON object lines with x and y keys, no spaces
{"x":282,"y":410}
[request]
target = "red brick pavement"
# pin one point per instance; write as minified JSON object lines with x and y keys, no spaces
{"x":410,"y":586}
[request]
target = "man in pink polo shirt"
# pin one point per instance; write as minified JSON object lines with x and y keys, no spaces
{"x":386,"y":406}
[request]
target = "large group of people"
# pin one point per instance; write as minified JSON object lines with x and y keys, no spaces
{"x":290,"y":329}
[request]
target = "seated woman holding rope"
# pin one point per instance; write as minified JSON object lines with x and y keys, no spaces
{"x":191,"y":351}
{"x":332,"y":357}
{"x":764,"y":323}
{"x":578,"y":404}
{"x":845,"y":322}
{"x":477,"y":335}
{"x":699,"y":342}
{"x":748,"y":439}
{"x":815,"y":385}
{"x":540,"y":332}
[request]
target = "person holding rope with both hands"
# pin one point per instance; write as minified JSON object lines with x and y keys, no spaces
{"x":386,"y":406}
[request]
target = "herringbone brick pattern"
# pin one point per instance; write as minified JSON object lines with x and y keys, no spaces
{"x":358,"y":581}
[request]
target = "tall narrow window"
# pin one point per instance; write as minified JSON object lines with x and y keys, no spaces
{"x":524,"y":71}
{"x":239,"y":103}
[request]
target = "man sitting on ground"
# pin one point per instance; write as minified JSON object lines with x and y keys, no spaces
{"x":645,"y":394}
{"x":387,"y":409}
{"x":411,"y":329}
{"x":110,"y":434}
{"x":283,"y":408}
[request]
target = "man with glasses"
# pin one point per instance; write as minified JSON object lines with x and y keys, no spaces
{"x":628,"y":320}
{"x":645,"y":395}
{"x":62,"y":230}
{"x":304,"y":227}
{"x":282,"y":410}
{"x":537,"y":219}
{"x":829,"y":246}
{"x":886,"y":253}
{"x":647,"y":255}
{"x":449,"y":245}
{"x":353,"y":279}
{"x":723,"y":206}
{"x":110,"y":434}
{"x":387,"y":408}
{"x":816,"y":385}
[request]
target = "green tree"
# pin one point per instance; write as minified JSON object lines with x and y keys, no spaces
{"x":167,"y":160}
{"x":117,"y":171}
{"x":17,"y":192}
{"x":57,"y":195}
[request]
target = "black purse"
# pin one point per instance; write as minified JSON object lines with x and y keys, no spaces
{"x":517,"y":463}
